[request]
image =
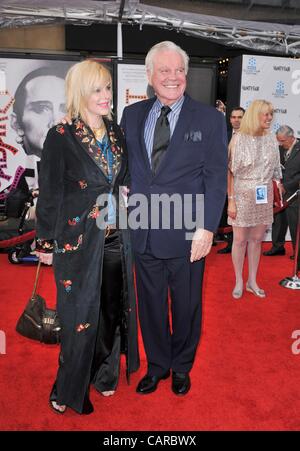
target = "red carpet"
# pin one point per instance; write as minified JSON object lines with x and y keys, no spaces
{"x":245,"y":376}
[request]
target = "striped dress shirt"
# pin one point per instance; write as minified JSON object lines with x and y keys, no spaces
{"x":152,"y":118}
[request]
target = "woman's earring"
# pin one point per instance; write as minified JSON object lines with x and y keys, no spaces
{"x":20,"y":137}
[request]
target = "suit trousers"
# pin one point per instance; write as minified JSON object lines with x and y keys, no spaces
{"x":279,"y":229}
{"x":283,"y":220}
{"x":169,"y":346}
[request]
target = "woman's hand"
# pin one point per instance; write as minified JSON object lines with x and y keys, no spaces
{"x":44,"y":257}
{"x":281,"y":189}
{"x":231,"y":210}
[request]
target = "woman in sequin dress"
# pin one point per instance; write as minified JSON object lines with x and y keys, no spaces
{"x":253,"y":163}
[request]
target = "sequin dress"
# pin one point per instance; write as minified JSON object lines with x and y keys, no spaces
{"x":254,"y":161}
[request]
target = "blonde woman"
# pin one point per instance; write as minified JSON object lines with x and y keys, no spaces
{"x":92,"y":259}
{"x":253,"y":163}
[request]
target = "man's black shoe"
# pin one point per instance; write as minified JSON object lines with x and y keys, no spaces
{"x":273,"y":252}
{"x":225,"y":250}
{"x":149,"y":383}
{"x":181,"y":383}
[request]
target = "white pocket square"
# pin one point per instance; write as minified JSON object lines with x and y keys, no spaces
{"x":193,"y":135}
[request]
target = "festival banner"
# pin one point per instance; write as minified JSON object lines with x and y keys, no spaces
{"x":277,"y":80}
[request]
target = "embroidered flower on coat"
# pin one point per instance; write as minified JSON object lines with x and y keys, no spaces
{"x":60,"y":129}
{"x":67,"y":284}
{"x":82,"y":327}
{"x":44,"y":245}
{"x":87,"y":138}
{"x":68,"y":247}
{"x":74,"y":221}
{"x":95,"y":212}
{"x":82,"y":184}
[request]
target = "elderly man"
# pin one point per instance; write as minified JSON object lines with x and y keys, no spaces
{"x":289,"y":147}
{"x":175,"y":146}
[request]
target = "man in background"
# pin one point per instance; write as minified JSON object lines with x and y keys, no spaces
{"x":289,"y":147}
{"x":235,"y":119}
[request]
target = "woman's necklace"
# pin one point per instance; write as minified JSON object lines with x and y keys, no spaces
{"x":99,"y":132}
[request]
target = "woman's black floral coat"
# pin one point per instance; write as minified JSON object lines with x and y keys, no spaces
{"x":70,"y":182}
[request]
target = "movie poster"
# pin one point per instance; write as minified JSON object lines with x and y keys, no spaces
{"x":132,"y":85}
{"x":32,"y":100}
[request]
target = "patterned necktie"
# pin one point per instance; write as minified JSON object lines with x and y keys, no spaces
{"x":161,"y":138}
{"x":287,"y":155}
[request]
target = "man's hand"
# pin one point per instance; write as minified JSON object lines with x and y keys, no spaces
{"x":281,"y":188}
{"x":46,"y":258}
{"x":65,"y":120}
{"x":231,"y":209}
{"x":201,"y":244}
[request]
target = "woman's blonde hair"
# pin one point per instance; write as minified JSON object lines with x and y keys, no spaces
{"x":81,"y":80}
{"x":250,"y":124}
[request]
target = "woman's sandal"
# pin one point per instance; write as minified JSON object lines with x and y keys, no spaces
{"x":256,"y":291}
{"x":57,"y":408}
{"x":108,"y":393}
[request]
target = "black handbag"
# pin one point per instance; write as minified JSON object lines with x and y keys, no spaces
{"x":37,"y":321}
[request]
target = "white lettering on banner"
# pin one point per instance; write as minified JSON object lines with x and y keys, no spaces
{"x":296,"y":83}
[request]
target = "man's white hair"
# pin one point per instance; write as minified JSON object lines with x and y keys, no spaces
{"x":285,"y":130}
{"x":165,"y":45}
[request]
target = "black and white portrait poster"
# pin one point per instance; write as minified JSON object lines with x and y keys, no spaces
{"x":32,"y":100}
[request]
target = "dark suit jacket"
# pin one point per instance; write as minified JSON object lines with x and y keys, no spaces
{"x":291,"y":172}
{"x":194,"y":163}
{"x":229,"y":134}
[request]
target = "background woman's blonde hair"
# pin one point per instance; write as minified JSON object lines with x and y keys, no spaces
{"x":250,"y":124}
{"x":81,"y":80}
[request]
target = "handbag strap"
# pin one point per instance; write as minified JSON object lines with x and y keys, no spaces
{"x":37,"y":274}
